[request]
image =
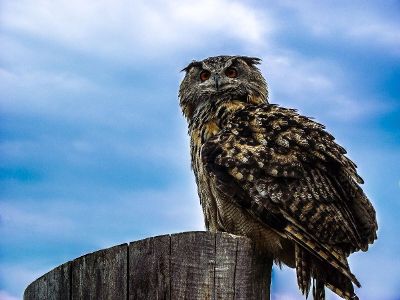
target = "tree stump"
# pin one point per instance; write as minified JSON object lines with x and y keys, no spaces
{"x":190,"y":265}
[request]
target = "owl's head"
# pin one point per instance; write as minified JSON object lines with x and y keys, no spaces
{"x":221,"y":78}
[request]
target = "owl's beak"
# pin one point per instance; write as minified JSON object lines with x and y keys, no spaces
{"x":216,"y":79}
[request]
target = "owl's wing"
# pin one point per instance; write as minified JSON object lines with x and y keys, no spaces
{"x":295,"y":179}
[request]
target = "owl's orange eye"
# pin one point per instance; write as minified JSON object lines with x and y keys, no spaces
{"x":204,"y":75}
{"x":231,"y":73}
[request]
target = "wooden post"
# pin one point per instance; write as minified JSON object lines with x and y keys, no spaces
{"x":190,"y":265}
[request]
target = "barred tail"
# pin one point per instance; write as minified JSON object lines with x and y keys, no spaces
{"x":303,"y":270}
{"x":310,"y":269}
{"x":322,"y":252}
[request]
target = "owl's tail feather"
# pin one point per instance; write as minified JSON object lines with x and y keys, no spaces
{"x":303,"y":270}
{"x":337,"y":282}
{"x":322,"y":274}
{"x":304,"y":267}
{"x":318,"y":289}
{"x":321,"y":251}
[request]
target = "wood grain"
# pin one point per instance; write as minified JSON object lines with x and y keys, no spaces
{"x":101,"y":275}
{"x":149,"y":270}
{"x":189,"y":265}
{"x":54,"y":285}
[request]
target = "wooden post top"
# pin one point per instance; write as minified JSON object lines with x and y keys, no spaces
{"x":189,"y":265}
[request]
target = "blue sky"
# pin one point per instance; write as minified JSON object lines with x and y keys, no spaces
{"x":94,"y":150}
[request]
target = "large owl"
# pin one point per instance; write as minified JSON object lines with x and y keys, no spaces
{"x":273,"y":175}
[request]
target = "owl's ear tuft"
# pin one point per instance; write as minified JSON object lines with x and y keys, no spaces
{"x":251,"y":61}
{"x":193,"y":64}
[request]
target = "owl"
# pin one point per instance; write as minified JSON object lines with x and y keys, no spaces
{"x":275,"y":176}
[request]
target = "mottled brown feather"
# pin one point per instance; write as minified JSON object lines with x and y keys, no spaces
{"x":288,"y":164}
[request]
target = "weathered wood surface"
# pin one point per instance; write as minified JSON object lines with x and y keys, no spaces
{"x":191,"y":265}
{"x":101,"y":275}
{"x":53,"y":285}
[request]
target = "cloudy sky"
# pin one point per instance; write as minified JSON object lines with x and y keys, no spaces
{"x":94,"y":150}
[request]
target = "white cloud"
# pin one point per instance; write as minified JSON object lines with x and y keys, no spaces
{"x":127,"y":31}
{"x":359,"y":22}
{"x":44,"y":80}
{"x":134,"y":214}
{"x":6,"y":296}
{"x":295,"y":74}
{"x":132,"y":28}
{"x":16,"y":277}
{"x":317,"y":87}
{"x":19,"y":219}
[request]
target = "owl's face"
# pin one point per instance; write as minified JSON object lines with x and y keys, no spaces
{"x":221,"y":78}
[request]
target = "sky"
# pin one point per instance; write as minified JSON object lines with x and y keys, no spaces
{"x":94,"y":149}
